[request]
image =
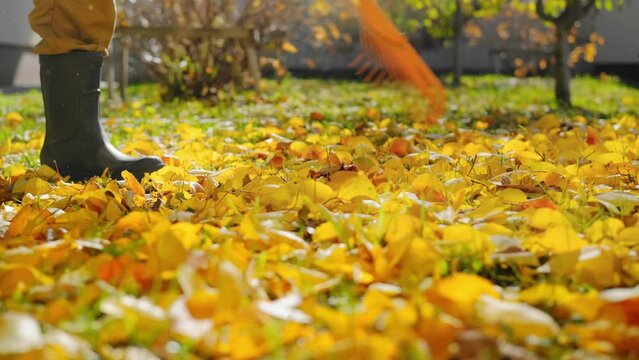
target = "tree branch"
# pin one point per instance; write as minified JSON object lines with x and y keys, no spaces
{"x":541,"y":12}
{"x":574,"y":11}
{"x":580,"y":11}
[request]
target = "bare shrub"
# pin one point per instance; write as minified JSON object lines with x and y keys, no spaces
{"x":200,"y":66}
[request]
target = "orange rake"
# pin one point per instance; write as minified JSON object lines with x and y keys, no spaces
{"x":389,"y":55}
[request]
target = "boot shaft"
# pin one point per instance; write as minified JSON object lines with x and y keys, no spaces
{"x":71,"y":91}
{"x":75,"y":144}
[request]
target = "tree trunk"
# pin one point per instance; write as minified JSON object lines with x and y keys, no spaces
{"x":457,"y":44}
{"x":562,"y":70}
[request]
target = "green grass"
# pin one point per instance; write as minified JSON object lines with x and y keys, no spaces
{"x":499,"y":98}
{"x":479,"y":96}
{"x":494,"y":94}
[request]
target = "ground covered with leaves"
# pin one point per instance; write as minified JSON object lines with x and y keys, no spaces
{"x":325,"y":220}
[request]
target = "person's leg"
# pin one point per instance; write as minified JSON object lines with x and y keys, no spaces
{"x":73,"y":25}
{"x":75,"y":36}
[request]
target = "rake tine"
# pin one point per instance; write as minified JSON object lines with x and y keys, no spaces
{"x":357,"y":60}
{"x":364,"y":67}
{"x":379,"y":79}
{"x":371,"y":75}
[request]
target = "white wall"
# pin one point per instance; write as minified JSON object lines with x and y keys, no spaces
{"x":14,"y":23}
{"x":621,"y":31}
{"x":18,"y":66}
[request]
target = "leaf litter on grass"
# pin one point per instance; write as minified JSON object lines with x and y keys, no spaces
{"x":346,"y":231}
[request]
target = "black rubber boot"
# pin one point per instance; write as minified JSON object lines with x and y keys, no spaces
{"x":75,"y":144}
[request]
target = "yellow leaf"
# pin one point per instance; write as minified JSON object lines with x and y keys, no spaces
{"x":187,"y":233}
{"x":560,"y":238}
{"x":112,"y":211}
{"x":424,"y":181}
{"x":172,"y":173}
{"x":429,"y":188}
{"x":334,"y":30}
{"x":495,"y":229}
{"x":296,"y":122}
{"x":401,"y":228}
{"x":473,"y":149}
{"x":276,"y":196}
{"x":58,"y":310}
{"x":565,"y":303}
{"x":138,"y":222}
{"x":28,"y":221}
{"x":563,"y":264}
{"x":19,"y":277}
{"x":547,"y":122}
{"x":544,"y":218}
{"x":360,"y":145}
{"x":45,"y":172}
{"x":590,"y":52}
{"x":628,"y":237}
{"x":419,"y":259}
{"x":530,"y":156}
{"x":288,"y":47}
{"x":231,"y":287}
{"x":608,"y":158}
{"x":250,"y":229}
{"x":15,"y":171}
{"x":316,"y":191}
{"x":465,"y":238}
{"x":325,"y":232}
{"x":513,"y":196}
{"x":481,"y":125}
{"x":544,"y":293}
{"x":171,"y":253}
{"x":598,"y":267}
{"x":202,"y":304}
{"x":37,"y":186}
{"x":299,"y":148}
{"x":458,"y":293}
{"x":13,"y":119}
{"x":515,"y":146}
{"x":349,"y":184}
{"x":143,"y":146}
{"x":131,"y":183}
{"x":173,"y":244}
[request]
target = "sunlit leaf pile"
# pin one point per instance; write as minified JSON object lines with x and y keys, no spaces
{"x":329,"y":224}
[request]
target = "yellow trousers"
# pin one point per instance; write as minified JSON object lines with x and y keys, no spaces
{"x":73,"y":25}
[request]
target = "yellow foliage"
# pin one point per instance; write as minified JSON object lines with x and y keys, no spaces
{"x":349,"y":185}
{"x":132,"y":183}
{"x":458,"y":293}
{"x":298,"y":236}
{"x":288,"y":47}
{"x":13,"y":118}
{"x":37,"y":186}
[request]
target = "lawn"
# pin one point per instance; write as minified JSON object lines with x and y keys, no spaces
{"x":325,"y":219}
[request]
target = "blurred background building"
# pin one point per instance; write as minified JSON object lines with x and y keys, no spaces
{"x":18,"y":67}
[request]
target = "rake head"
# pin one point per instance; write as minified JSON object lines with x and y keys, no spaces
{"x":389,"y":56}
